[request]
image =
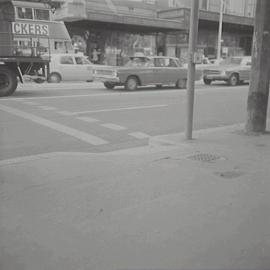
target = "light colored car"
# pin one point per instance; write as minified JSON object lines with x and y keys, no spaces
{"x":144,"y":70}
{"x":70,"y":67}
{"x":233,"y":70}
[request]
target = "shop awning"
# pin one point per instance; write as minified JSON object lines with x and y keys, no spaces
{"x":154,"y":24}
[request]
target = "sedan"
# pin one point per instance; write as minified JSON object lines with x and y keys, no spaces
{"x":232,"y":70}
{"x":70,"y":67}
{"x":142,"y":71}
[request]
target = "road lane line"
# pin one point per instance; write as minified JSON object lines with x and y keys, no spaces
{"x":30,"y":103}
{"x":139,"y":135}
{"x":65,"y":113}
{"x":87,"y":119}
{"x":113,"y":126}
{"x":47,"y":108}
{"x":121,"y":109}
{"x":146,"y":92}
{"x":83,"y":136}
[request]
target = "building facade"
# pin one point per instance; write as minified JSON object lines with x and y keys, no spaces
{"x":238,"y":20}
{"x":109,"y":31}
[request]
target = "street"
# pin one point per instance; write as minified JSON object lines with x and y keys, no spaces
{"x":81,"y":117}
{"x":93,"y":179}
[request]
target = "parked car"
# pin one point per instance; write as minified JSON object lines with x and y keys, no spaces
{"x":233,"y":70}
{"x":70,"y":67}
{"x":144,"y":70}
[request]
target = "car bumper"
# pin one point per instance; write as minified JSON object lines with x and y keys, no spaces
{"x":106,"y":79}
{"x":216,"y":77}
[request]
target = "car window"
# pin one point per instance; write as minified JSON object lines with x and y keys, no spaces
{"x":248,"y":63}
{"x":66,"y":60}
{"x":159,"y":62}
{"x":82,"y":60}
{"x":172,"y":63}
{"x":137,"y":62}
{"x":232,"y":61}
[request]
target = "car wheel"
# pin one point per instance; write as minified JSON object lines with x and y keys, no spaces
{"x":109,"y":85}
{"x":207,"y":81}
{"x":181,"y":84}
{"x":8,"y":81}
{"x":54,"y":78}
{"x":233,"y":80}
{"x":131,"y":83}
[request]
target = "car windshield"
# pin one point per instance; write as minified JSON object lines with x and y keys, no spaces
{"x":232,"y":61}
{"x":139,"y":62}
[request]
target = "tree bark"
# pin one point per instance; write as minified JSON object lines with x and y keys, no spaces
{"x":260,"y":71}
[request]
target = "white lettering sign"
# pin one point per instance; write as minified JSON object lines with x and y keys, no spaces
{"x":21,"y":28}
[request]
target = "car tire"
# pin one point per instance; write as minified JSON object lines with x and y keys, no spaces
{"x":8,"y":81}
{"x":131,"y":83}
{"x":181,"y":84}
{"x":54,"y":78}
{"x":207,"y":81}
{"x":233,"y":80}
{"x":109,"y":85}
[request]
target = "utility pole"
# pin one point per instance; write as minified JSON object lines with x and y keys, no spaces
{"x":220,"y":30}
{"x":193,"y":34}
{"x":260,"y":71}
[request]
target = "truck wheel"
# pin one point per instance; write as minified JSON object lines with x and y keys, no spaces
{"x":131,"y":83}
{"x":207,"y":81}
{"x":8,"y":81}
{"x":181,"y":84}
{"x":54,"y":78}
{"x":233,"y":80}
{"x":109,"y":85}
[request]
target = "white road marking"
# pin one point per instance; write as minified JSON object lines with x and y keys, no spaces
{"x":147,"y":92}
{"x":121,"y":109}
{"x":83,"y":136}
{"x":113,"y":126}
{"x":30,"y":103}
{"x":66,"y":113}
{"x":47,"y":108}
{"x":139,"y":135}
{"x":87,"y":119}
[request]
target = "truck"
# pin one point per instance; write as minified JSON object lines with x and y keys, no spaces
{"x":26,"y":40}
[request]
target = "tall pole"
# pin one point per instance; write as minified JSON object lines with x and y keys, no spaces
{"x":260,"y":70}
{"x":220,"y":30}
{"x":193,"y":34}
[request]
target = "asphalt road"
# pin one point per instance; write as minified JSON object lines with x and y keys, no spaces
{"x":86,"y":117}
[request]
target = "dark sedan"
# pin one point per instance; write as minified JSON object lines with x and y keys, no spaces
{"x":141,"y":71}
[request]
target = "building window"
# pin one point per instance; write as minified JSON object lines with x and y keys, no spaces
{"x":42,"y":14}
{"x":24,"y":13}
{"x":204,"y":4}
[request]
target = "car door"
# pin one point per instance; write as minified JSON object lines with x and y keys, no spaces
{"x":160,"y":71}
{"x":67,"y":68}
{"x":245,"y":69}
{"x":84,"y":68}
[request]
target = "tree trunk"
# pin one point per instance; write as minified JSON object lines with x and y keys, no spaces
{"x":260,"y":71}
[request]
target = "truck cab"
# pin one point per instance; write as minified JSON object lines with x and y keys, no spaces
{"x":28,"y":36}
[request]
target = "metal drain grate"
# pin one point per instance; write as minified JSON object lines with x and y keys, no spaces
{"x":204,"y":157}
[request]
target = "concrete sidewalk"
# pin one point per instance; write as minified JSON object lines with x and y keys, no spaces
{"x":174,"y":204}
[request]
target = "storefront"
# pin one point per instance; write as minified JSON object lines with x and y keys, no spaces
{"x":236,"y":35}
{"x":108,"y":36}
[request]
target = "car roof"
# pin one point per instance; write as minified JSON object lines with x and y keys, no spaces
{"x":67,"y":54}
{"x":153,"y":56}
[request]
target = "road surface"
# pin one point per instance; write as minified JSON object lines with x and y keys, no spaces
{"x":86,"y":117}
